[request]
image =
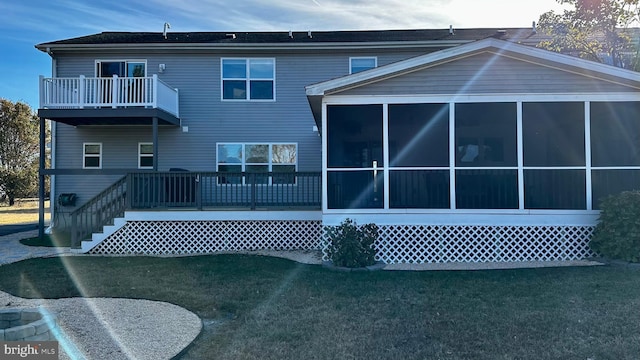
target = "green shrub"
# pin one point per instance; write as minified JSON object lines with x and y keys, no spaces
{"x":350,"y":245}
{"x":617,"y":234}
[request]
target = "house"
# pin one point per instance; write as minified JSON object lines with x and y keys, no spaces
{"x":470,"y":145}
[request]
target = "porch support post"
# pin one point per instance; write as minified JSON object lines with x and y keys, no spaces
{"x":41,"y":178}
{"x":155,"y":144}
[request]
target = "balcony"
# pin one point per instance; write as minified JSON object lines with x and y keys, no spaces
{"x":108,"y":101}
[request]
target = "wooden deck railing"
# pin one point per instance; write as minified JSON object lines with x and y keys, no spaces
{"x":273,"y":190}
{"x":98,"y":212}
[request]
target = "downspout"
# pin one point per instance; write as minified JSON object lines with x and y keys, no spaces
{"x":52,"y":178}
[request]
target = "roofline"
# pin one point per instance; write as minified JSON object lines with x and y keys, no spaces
{"x":372,"y":75}
{"x":50,"y":47}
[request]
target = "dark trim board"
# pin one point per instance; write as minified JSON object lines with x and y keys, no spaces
{"x":109,"y":116}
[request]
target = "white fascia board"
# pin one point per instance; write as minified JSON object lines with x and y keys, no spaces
{"x":448,"y":54}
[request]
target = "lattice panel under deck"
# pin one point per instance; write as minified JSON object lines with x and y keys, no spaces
{"x":201,"y":237}
{"x":475,"y":243}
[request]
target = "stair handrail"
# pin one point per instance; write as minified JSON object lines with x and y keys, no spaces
{"x":98,"y":212}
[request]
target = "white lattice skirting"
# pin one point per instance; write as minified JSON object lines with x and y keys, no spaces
{"x":396,"y":244}
{"x":474,"y":243}
{"x":203,"y":237}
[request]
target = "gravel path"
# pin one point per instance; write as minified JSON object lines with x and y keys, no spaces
{"x":105,"y":328}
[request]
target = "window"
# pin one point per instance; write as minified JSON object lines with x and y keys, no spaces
{"x":145,"y":155}
{"x":357,"y":64}
{"x":133,"y":68}
{"x":281,"y":159}
{"x":92,"y":156}
{"x":248,"y":79}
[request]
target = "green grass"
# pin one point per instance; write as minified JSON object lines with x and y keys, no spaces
{"x":268,"y":308}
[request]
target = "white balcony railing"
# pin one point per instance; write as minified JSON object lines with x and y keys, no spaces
{"x":97,"y":92}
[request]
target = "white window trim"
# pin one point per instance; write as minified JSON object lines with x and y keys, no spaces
{"x":85,"y":156}
{"x":351,"y":58}
{"x":270,"y":164}
{"x":141,"y":155}
{"x":247,"y":79}
{"x":97,"y":61}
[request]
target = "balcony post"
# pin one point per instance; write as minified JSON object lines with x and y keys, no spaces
{"x":114,"y":92}
{"x":155,"y":92}
{"x":42,"y":92}
{"x":81,"y":92}
{"x":41,"y":179}
{"x":254,"y":190}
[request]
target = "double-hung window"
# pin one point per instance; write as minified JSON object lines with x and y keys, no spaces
{"x":145,"y":155}
{"x":357,"y":64}
{"x":257,"y":158}
{"x":248,"y":79}
{"x":92,"y":156}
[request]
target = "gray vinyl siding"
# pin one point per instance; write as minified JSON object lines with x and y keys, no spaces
{"x":487,"y":74}
{"x":196,"y":74}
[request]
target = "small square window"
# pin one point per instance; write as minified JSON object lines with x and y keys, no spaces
{"x":358,"y":64}
{"x":92,"y":156}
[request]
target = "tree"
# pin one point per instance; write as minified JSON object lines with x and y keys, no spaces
{"x":19,"y":150}
{"x":596,"y":30}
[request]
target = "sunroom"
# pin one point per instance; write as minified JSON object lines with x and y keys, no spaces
{"x":490,"y":151}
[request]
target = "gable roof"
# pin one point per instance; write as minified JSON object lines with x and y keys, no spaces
{"x":500,"y":47}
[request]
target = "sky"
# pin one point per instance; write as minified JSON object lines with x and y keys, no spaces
{"x":26,"y":23}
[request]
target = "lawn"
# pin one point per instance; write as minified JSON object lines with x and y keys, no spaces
{"x":22,"y":212}
{"x":269,"y":308}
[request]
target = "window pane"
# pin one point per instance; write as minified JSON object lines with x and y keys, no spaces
{"x":234,"y":89}
{"x":284,"y":154}
{"x":236,"y":178}
{"x":354,"y":135}
{"x":419,"y":189}
{"x":284,"y":174}
{"x":261,"y":69}
{"x":555,"y":189}
{"x":486,"y":134}
{"x":355,"y":190}
{"x":362,"y":64}
{"x":553,"y":134}
{"x":135,"y":69}
{"x":257,"y":179}
{"x":257,"y":153}
{"x":261,"y":90}
{"x":92,"y":149}
{"x":419,"y":135}
{"x":615,"y":134}
{"x":610,"y":182}
{"x":91,"y":161}
{"x":230,"y":153}
{"x":234,"y":68}
{"x":146,"y":148}
{"x":486,"y":189}
{"x":146,"y":161}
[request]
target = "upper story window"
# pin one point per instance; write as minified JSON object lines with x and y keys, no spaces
{"x":121,"y":68}
{"x":92,"y":156}
{"x":248,"y":79}
{"x":145,"y":155}
{"x":357,"y":64}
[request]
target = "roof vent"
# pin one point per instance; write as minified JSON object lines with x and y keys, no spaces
{"x":233,"y":36}
{"x":309,"y":34}
{"x":290,"y":34}
{"x":450,"y":29}
{"x":533,"y":28}
{"x":164,"y":30}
